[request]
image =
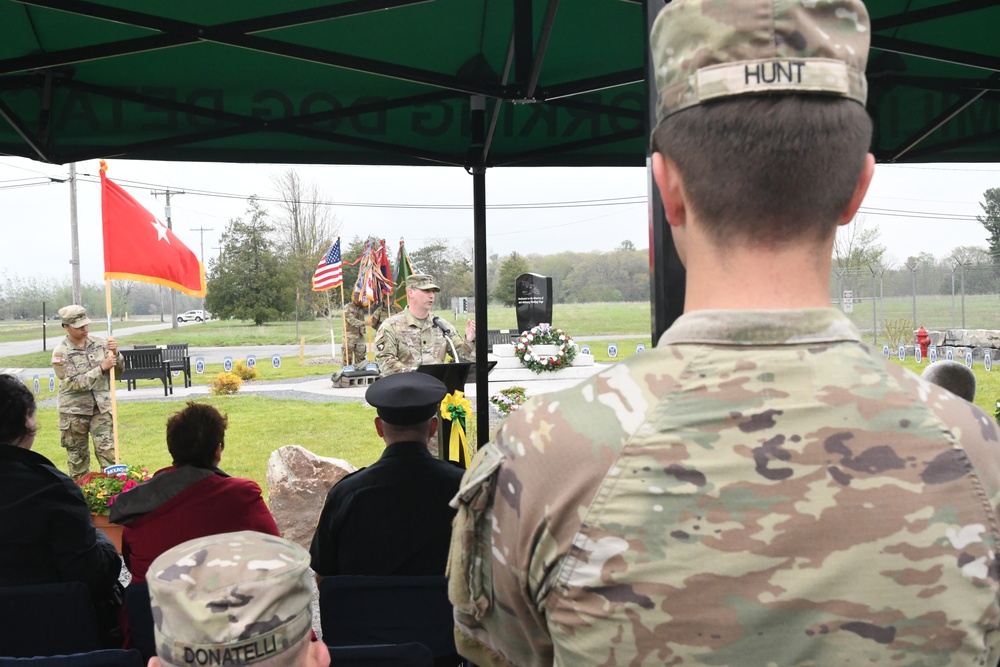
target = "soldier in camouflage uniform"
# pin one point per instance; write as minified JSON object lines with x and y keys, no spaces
{"x":355,"y":346}
{"x":411,"y":338}
{"x":762,"y":488}
{"x":83,"y":363}
{"x":234,"y":599}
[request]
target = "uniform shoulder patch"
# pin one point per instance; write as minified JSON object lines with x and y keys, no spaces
{"x":380,"y":346}
{"x":57,"y":359}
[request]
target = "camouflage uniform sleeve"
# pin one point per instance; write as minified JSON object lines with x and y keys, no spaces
{"x":466,"y":350}
{"x":387,"y":351}
{"x":74,"y":377}
{"x":514,"y":530}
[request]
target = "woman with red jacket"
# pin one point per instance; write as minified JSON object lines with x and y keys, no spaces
{"x":192,"y":498}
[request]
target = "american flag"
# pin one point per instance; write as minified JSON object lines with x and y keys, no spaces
{"x":328,"y":272}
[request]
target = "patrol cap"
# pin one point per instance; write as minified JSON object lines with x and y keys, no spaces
{"x":74,"y":316}
{"x":229,"y":599}
{"x":421,"y":281}
{"x":706,"y":50}
{"x":406,"y":398}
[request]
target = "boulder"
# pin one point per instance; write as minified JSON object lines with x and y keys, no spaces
{"x":297,"y":484}
{"x":973,"y":338}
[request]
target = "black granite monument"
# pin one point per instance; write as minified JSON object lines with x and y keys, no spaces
{"x":533,"y":300}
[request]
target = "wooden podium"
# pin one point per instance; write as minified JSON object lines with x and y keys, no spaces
{"x":453,"y":376}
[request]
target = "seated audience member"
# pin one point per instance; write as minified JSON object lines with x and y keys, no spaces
{"x":192,"y":498}
{"x":392,"y":518}
{"x":953,"y":376}
{"x":49,"y":536}
{"x":240,"y":598}
{"x":761,"y":488}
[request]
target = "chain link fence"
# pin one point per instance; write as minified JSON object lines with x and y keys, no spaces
{"x":938,"y":299}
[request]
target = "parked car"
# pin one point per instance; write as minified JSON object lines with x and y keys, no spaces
{"x":193,"y":316}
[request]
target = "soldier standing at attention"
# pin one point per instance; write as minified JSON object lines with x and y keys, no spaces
{"x":355,"y":347}
{"x":83,"y":363}
{"x":762,"y":488}
{"x":415,"y":337}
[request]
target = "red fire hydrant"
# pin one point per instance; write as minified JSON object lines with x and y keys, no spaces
{"x":923,"y":340}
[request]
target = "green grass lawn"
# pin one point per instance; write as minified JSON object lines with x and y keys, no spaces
{"x":987,"y":384}
{"x":257,"y":427}
{"x":16,"y":330}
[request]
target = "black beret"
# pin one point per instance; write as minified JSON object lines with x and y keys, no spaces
{"x":406,"y":398}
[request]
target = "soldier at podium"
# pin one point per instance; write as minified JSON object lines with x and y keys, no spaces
{"x":415,"y":337}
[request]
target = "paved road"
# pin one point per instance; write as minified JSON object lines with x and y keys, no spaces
{"x":54,"y":333}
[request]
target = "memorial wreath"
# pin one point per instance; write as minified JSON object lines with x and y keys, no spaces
{"x":544,"y":334}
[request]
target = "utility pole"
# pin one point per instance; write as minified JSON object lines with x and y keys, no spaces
{"x":201,"y":233}
{"x":75,"y":236}
{"x":173,"y":293}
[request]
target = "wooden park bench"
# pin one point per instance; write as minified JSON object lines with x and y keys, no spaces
{"x":146,"y":364}
{"x":176,"y":355}
{"x":500,"y":337}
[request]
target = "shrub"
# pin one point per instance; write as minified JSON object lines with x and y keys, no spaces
{"x":225,"y":383}
{"x":245,"y":372}
{"x":898,"y":332}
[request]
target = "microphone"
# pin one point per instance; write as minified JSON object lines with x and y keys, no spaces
{"x":443,"y":326}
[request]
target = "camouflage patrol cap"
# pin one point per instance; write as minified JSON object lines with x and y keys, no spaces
{"x":710,"y":49}
{"x":74,"y":316}
{"x":403,"y":399}
{"x":421,"y":281}
{"x":229,"y":599}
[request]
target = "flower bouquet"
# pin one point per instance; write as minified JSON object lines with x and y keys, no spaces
{"x":509,"y":400}
{"x":100,"y":489}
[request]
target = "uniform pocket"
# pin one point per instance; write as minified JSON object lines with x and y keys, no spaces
{"x":470,"y":559}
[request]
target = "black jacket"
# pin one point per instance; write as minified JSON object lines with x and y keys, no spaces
{"x":49,"y":536}
{"x":391,"y":518}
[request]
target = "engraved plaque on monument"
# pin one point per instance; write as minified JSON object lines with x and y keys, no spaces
{"x":533,"y":300}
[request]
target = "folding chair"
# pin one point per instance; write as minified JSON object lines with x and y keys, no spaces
{"x":140,"y":620}
{"x":389,"y":610}
{"x":47,"y":619}
{"x":115,"y":657}
{"x":383,"y":655}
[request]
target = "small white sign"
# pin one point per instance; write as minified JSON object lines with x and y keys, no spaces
{"x":987,"y":361}
{"x":612,"y":350}
{"x":902,"y":353}
{"x":949,"y":354}
{"x":848,"y":301}
{"x":52,"y":382}
{"x":117,"y":469}
{"x":276,"y":361}
{"x":641,"y":347}
{"x":251,"y":361}
{"x":932,"y":354}
{"x":36,"y":384}
{"x":968,"y":358}
{"x":176,"y":374}
{"x":199,"y":365}
{"x":371,"y":367}
{"x":917,"y":354}
{"x":885,"y":351}
{"x":584,"y":349}
{"x":227,"y":364}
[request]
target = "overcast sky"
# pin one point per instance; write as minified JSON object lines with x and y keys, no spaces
{"x":917,"y":208}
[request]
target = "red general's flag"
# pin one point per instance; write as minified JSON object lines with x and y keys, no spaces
{"x":137,"y":246}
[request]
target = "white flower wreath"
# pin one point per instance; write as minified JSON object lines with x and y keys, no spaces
{"x":545,"y":334}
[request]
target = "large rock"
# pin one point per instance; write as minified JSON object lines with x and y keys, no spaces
{"x":297,"y":483}
{"x":973,"y":338}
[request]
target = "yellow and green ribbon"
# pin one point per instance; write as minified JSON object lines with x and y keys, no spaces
{"x":455,"y":407}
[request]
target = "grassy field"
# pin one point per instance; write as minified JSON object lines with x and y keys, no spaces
{"x":11,"y":331}
{"x":257,"y":427}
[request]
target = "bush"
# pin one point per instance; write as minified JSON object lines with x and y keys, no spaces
{"x":225,"y":384}
{"x":898,"y":332}
{"x":245,"y":372}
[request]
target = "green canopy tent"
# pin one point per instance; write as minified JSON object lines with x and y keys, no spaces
{"x":473,"y":83}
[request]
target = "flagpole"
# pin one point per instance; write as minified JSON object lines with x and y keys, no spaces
{"x":114,"y":398}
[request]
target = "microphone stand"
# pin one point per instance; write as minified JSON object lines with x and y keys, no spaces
{"x":439,"y":323}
